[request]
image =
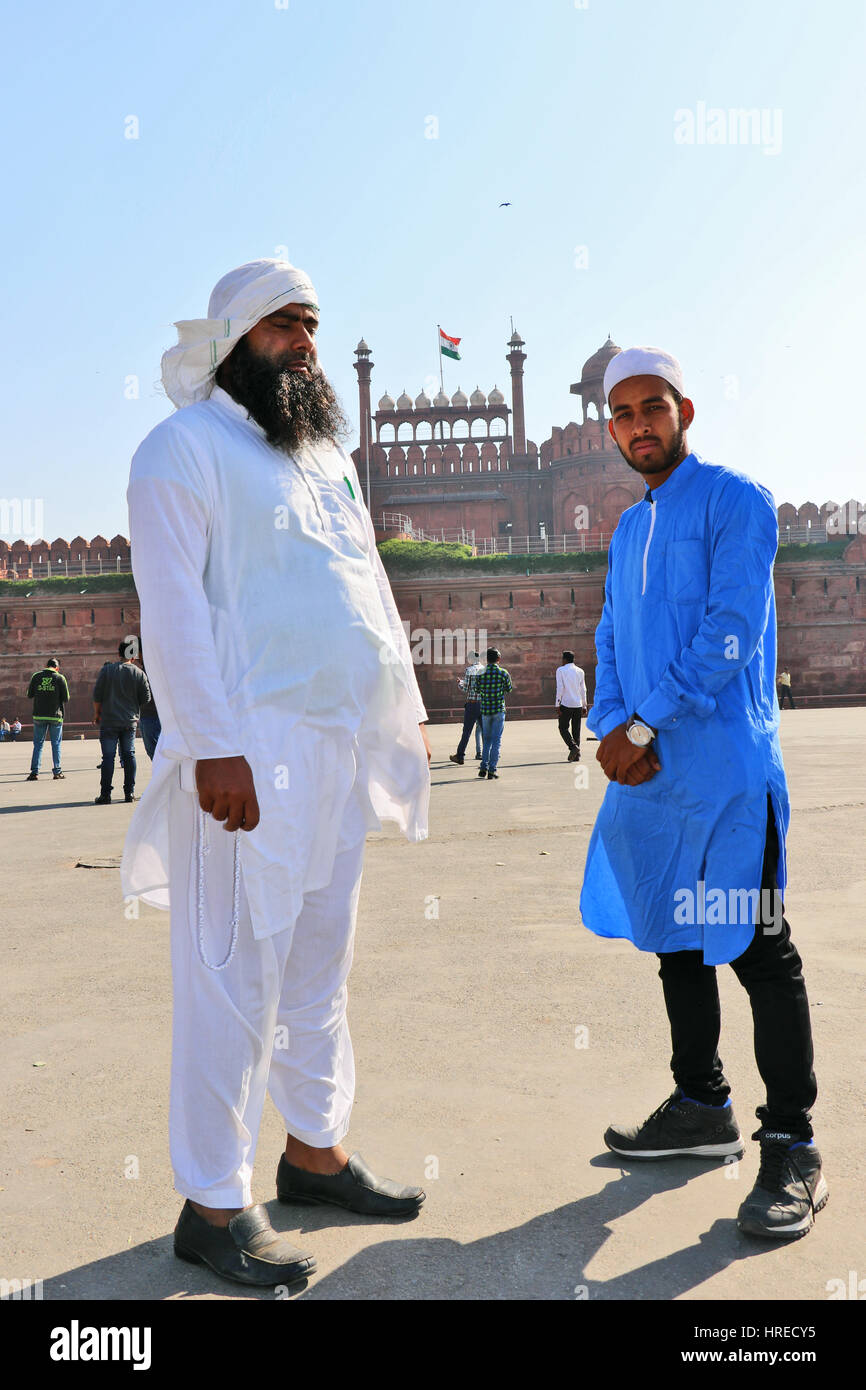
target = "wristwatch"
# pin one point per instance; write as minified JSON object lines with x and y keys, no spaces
{"x":639,"y":733}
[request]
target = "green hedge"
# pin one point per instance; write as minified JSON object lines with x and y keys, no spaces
{"x":68,"y":584}
{"x":403,"y":559}
{"x":406,"y":558}
{"x":826,"y":550}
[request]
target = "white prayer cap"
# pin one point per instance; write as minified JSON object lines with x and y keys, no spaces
{"x":237,"y":303}
{"x":643,"y":361}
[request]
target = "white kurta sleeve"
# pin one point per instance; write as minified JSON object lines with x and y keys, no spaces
{"x":401,"y":641}
{"x":169,"y":516}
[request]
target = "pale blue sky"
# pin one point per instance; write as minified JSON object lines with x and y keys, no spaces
{"x":304,"y":127}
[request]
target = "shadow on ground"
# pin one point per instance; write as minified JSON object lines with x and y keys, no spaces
{"x":544,"y":1258}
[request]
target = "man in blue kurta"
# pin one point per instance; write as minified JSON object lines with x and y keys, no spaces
{"x":687,"y":856}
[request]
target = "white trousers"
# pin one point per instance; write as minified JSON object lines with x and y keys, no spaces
{"x":273,"y":1020}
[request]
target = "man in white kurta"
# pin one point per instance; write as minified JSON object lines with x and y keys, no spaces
{"x":290,"y":727}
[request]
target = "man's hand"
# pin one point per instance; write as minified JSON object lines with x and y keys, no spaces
{"x":646,"y":767}
{"x":623,"y":762}
{"x":426,"y":743}
{"x":225,"y":789}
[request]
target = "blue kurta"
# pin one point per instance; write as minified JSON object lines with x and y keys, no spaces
{"x":687,"y":639}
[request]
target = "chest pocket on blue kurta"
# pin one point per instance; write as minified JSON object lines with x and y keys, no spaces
{"x":687,"y":573}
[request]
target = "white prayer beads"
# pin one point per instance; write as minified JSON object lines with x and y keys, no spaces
{"x":203,"y":848}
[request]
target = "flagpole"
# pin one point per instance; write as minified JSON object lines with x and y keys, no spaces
{"x":441,"y":381}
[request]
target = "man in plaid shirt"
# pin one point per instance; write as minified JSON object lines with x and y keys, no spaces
{"x":491,"y":687}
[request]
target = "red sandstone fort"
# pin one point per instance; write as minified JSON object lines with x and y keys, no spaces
{"x":462,"y":468}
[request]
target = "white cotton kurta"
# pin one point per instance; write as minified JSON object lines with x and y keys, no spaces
{"x":268,"y":629}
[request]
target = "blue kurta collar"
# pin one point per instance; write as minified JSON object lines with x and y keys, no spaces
{"x":677,"y":480}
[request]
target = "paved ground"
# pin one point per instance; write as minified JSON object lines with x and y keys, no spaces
{"x":464,"y":1027}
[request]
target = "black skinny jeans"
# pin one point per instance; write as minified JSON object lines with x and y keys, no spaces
{"x":771,"y":972}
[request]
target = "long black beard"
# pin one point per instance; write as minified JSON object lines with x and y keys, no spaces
{"x":671,"y":455}
{"x":292,"y":409}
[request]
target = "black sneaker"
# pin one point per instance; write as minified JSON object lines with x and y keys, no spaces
{"x":790,"y":1189}
{"x":482,"y":771}
{"x":491,"y":775}
{"x":58,"y":776}
{"x":680,"y":1128}
{"x":102,"y":801}
{"x":32,"y":777}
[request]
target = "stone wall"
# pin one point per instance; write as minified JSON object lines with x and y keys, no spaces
{"x":821,"y":616}
{"x":81,"y":630}
{"x":821,"y":609}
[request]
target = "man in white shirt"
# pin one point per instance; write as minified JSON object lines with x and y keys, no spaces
{"x":292,"y":719}
{"x":571,"y":703}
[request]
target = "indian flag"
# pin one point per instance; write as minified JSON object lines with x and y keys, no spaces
{"x":448,"y":346}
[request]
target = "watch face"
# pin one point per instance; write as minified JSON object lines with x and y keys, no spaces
{"x":640,"y":735}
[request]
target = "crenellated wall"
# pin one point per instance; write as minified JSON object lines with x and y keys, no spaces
{"x":603,"y":484}
{"x":22,"y":559}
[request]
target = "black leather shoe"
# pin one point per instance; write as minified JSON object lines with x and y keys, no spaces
{"x":247,"y":1250}
{"x":102,"y":801}
{"x":355,"y":1189}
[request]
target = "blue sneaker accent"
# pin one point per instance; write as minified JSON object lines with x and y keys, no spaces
{"x":704,"y":1104}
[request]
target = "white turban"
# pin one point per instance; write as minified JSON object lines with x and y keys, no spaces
{"x":643,"y":361}
{"x":238,"y":301}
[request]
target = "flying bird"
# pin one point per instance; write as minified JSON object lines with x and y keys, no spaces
{"x":505,"y":205}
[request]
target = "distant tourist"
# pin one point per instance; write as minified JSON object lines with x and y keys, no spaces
{"x":785,"y":689}
{"x":49,"y":692}
{"x":571,"y":703}
{"x":16,"y":728}
{"x":5,"y":730}
{"x":492,"y":686}
{"x":471,"y":709}
{"x":148,"y":724}
{"x":120,"y":692}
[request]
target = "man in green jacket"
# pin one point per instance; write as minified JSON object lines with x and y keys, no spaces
{"x":49,"y":692}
